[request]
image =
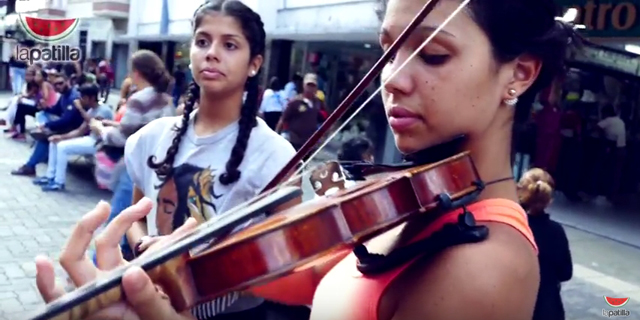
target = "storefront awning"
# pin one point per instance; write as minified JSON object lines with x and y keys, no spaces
{"x":154,"y":37}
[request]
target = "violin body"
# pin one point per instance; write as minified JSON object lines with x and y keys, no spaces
{"x":302,"y":236}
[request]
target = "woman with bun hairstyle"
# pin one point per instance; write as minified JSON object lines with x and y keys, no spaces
{"x":535,"y":190}
{"x":466,"y":82}
{"x":149,"y":102}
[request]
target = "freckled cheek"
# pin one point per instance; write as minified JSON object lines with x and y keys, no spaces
{"x":432,"y":95}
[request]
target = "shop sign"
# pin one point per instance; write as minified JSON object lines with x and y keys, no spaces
{"x":607,"y":58}
{"x":607,"y":18}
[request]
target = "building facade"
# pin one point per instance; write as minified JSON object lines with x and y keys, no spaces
{"x":103,"y":23}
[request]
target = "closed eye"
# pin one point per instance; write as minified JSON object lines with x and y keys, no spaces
{"x":435,"y":59}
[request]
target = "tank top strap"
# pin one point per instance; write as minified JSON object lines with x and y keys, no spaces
{"x":372,"y":288}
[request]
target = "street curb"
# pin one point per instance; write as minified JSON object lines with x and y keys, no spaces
{"x":599,"y":234}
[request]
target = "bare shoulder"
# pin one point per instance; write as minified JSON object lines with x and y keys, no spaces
{"x":496,"y":279}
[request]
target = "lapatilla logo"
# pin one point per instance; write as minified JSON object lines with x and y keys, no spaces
{"x":48,"y":31}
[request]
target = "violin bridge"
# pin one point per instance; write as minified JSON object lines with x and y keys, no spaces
{"x":327,"y":178}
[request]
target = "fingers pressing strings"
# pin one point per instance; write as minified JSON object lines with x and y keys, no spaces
{"x":74,"y":257}
{"x":46,"y":280}
{"x":108,"y":253}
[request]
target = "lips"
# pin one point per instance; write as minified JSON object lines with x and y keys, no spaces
{"x":401,"y":112}
{"x":402,"y":119}
{"x":211,"y":73}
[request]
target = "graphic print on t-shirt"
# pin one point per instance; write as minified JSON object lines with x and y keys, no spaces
{"x":189,"y":193}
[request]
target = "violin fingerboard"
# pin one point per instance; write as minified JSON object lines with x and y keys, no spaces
{"x":95,"y":300}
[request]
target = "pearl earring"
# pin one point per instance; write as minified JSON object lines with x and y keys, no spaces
{"x":253,"y":72}
{"x":190,"y":66}
{"x":511,"y":101}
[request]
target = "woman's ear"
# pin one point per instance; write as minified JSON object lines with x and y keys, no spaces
{"x":255,"y":65}
{"x":525,"y":72}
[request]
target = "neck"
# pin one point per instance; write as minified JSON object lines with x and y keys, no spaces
{"x":142,"y":84}
{"x":492,"y":157}
{"x":216,"y":112}
{"x":308,"y":95}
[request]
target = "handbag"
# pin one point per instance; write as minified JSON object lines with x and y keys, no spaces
{"x":103,"y":170}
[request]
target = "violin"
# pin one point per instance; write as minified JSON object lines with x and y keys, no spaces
{"x":292,"y":239}
{"x":289,"y":241}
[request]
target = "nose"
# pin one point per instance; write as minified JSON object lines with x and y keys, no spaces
{"x":398,"y":80}
{"x":213,"y":52}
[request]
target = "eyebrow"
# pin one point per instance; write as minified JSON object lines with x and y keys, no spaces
{"x":423,"y":31}
{"x":226,"y":35}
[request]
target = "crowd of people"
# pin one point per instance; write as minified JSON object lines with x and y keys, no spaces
{"x":585,"y":137}
{"x":175,"y":158}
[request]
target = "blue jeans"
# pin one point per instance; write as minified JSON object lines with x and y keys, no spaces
{"x":39,"y":154}
{"x":41,"y":149}
{"x":122,"y":198}
{"x":43,"y":117}
{"x":17,"y":79}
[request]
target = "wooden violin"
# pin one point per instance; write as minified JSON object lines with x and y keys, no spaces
{"x":293,"y":239}
{"x":299,"y":237}
{"x":289,"y":241}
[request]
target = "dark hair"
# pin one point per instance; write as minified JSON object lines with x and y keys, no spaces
{"x":82,"y":79}
{"x":253,"y":30}
{"x":89,"y":90}
{"x":517,"y":27}
{"x":608,"y":111}
{"x":354,"y":148}
{"x":152,"y":69}
{"x":32,"y":85}
{"x":274,"y":84}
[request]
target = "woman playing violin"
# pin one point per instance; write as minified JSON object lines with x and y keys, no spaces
{"x":465,"y":82}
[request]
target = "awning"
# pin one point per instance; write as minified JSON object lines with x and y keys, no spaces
{"x":154,"y":37}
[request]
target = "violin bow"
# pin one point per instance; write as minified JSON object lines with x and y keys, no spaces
{"x":359,"y":89}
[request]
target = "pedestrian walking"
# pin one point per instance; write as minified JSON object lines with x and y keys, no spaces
{"x":535,"y":190}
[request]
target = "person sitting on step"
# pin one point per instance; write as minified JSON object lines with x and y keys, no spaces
{"x":77,"y":142}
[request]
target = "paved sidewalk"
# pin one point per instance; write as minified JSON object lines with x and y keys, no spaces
{"x":602,"y":267}
{"x":620,"y":224}
{"x":32,"y":223}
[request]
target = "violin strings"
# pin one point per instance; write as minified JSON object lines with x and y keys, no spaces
{"x":299,"y":172}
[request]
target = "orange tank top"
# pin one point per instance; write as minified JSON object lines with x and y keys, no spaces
{"x":344,"y":293}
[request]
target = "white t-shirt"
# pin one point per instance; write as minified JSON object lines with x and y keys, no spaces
{"x":614,"y":130}
{"x":195,"y":183}
{"x":272,"y":101}
{"x":588,"y":96}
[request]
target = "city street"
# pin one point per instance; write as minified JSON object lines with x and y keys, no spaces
{"x":32,"y":223}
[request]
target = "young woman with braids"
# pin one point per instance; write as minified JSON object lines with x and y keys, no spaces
{"x":464,"y":83}
{"x":214,"y":158}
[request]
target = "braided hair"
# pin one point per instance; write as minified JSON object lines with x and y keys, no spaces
{"x":253,"y":29}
